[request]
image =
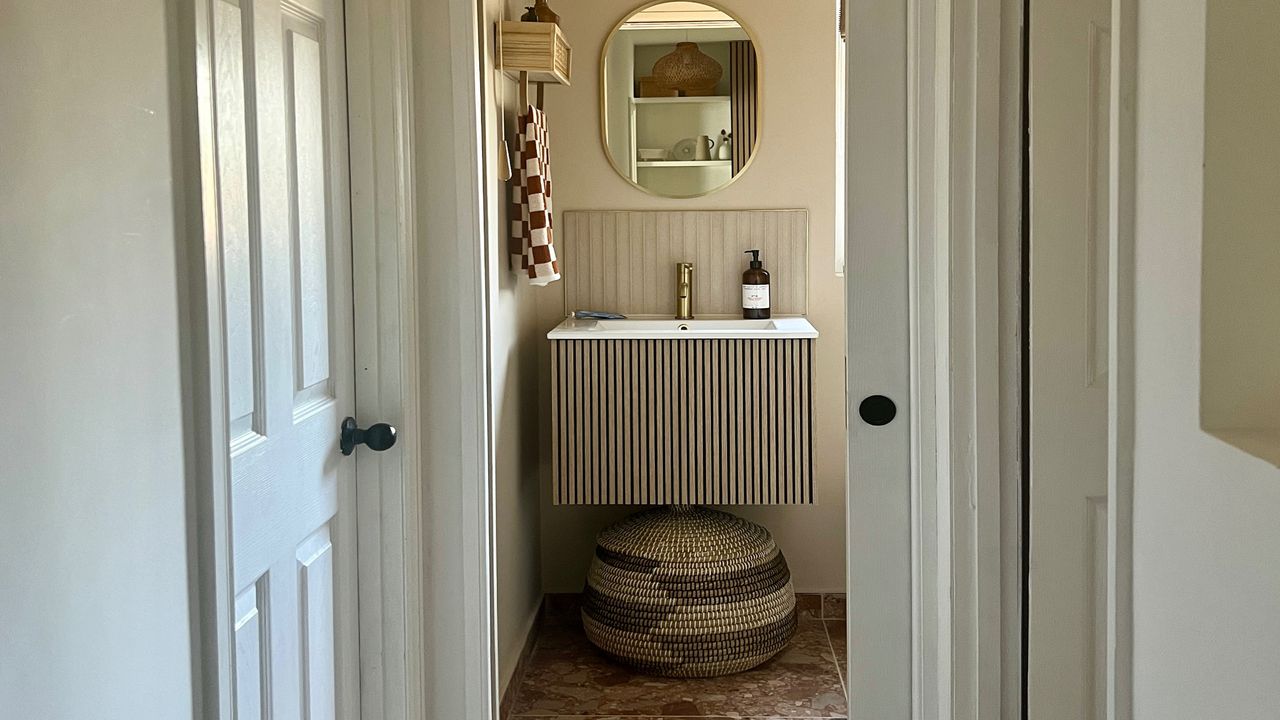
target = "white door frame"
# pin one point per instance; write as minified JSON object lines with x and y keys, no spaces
{"x":435,"y":551}
{"x":388,"y":387}
{"x":962,"y":63}
{"x":1120,"y":360}
{"x":941,"y":558}
{"x":424,"y":511}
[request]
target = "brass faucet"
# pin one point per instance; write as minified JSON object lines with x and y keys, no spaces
{"x":684,"y":291}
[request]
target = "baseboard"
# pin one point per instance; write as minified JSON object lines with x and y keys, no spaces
{"x":522,"y":663}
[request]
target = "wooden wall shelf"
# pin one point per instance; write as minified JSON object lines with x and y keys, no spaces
{"x":539,"y":49}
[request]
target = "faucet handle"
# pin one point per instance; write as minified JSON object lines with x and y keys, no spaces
{"x":684,"y":291}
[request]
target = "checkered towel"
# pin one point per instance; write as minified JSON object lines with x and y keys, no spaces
{"x":532,"y":252}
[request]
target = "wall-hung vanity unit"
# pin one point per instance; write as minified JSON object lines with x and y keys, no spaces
{"x":684,"y":404}
{"x":683,"y":412}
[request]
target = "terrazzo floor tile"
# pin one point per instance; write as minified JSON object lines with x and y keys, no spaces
{"x":568,"y":678}
{"x":809,"y":605}
{"x":833,"y":606}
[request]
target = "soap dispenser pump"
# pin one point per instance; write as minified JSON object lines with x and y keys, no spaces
{"x":755,"y":289}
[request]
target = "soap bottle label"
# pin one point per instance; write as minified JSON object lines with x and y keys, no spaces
{"x":755,"y":297}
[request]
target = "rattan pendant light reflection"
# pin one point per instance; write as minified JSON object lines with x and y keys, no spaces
{"x":689,"y":70}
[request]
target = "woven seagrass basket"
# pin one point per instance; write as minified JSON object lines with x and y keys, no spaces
{"x":688,"y":592}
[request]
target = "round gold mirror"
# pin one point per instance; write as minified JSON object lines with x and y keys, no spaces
{"x":680,"y":98}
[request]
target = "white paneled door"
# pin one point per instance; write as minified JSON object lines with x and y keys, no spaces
{"x":279,"y":125}
{"x":1070,"y":111}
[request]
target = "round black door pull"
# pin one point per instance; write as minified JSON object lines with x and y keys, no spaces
{"x":380,"y":436}
{"x":877,"y":410}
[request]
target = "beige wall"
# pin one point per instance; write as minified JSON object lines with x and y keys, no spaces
{"x":514,"y":351}
{"x":795,"y":168}
{"x":94,"y":619}
{"x":1240,"y":396}
{"x":1206,"y":565}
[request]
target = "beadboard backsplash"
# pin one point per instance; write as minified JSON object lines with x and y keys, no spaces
{"x":624,"y":260}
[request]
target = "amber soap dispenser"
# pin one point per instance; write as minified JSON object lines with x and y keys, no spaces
{"x":755,"y":289}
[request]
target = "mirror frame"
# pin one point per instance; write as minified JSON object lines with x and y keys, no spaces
{"x":760,"y":96}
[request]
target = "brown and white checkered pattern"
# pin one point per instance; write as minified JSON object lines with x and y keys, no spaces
{"x":532,"y":251}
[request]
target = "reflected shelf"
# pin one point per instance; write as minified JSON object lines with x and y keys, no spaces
{"x":682,"y":163}
{"x":696,"y":100}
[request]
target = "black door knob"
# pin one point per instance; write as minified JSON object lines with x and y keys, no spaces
{"x":380,"y":436}
{"x":877,"y":410}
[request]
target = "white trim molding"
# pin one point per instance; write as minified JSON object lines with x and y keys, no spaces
{"x":963,"y":158}
{"x":1012,"y":113}
{"x":968,"y":362}
{"x":389,"y":485}
{"x":459,"y":606}
{"x":1120,"y":389}
{"x":200,"y":286}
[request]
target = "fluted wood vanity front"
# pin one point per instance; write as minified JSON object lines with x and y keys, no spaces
{"x":683,"y":412}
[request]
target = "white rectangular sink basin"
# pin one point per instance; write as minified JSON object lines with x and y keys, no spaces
{"x":658,"y":329}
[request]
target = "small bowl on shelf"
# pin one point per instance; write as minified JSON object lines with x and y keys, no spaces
{"x":651,"y":154}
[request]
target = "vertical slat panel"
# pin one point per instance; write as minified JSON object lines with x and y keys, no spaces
{"x":718,"y":466}
{"x":657,"y":421}
{"x":743,"y":93}
{"x":757,"y":431}
{"x":707,"y":421}
{"x":624,"y":424}
{"x":684,"y":394}
{"x":568,"y":373}
{"x":592,"y":483}
{"x":624,"y":260}
{"x":806,"y":388}
{"x":740,"y":429}
{"x":607,"y":280}
{"x":595,"y":270}
{"x":669,"y":410}
{"x":708,"y":254}
{"x":557,"y":438}
{"x":569,"y":415}
{"x":723,"y":421}
{"x":604,"y":413}
{"x":580,"y":428}
{"x":790,"y":496}
{"x":769,"y":449}
{"x":618,"y":433}
{"x":645,"y":418}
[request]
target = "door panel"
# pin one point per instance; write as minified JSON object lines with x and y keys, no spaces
{"x":282,"y":190}
{"x":233,"y":205}
{"x":251,"y":654}
{"x":878,"y":277}
{"x":1070,"y":68}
